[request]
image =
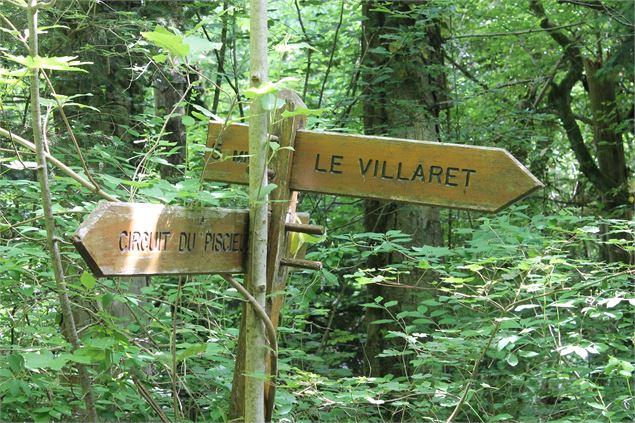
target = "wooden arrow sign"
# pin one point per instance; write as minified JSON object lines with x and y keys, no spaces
{"x":429,"y":173}
{"x":125,"y":239}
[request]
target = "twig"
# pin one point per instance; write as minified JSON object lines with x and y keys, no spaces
{"x":173,"y":370}
{"x":143,"y":391}
{"x":473,"y":374}
{"x":67,"y":170}
{"x":71,"y":133}
{"x":510,"y":33}
{"x":220,"y":58}
{"x":328,"y":68}
{"x":235,"y":69}
{"x":271,"y":331}
{"x":309,"y":54}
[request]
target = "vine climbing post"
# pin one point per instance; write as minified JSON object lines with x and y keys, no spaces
{"x":258,"y":221}
{"x":47,"y":206}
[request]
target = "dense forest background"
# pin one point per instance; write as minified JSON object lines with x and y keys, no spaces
{"x":419,"y":314}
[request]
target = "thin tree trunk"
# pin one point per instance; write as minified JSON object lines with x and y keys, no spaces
{"x":52,"y":239}
{"x":220,"y":70}
{"x":258,"y":224}
{"x":169,"y":91}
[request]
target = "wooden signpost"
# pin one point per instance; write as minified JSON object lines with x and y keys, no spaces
{"x":128,"y":239}
{"x":429,"y":173}
{"x":134,"y":239}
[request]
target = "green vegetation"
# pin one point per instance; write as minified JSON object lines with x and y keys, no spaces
{"x":524,"y":315}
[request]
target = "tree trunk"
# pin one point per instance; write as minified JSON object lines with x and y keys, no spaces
{"x":607,"y":172}
{"x":402,"y":97}
{"x":256,"y":276}
{"x":609,"y":147}
{"x":49,"y":220}
{"x":169,"y":89}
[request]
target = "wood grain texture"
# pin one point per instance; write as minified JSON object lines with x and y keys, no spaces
{"x":126,"y":239}
{"x":420,"y":172}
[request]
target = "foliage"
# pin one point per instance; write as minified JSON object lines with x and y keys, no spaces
{"x":523,"y":320}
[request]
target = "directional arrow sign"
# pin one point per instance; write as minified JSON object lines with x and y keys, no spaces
{"x":430,"y":173}
{"x":124,"y":239}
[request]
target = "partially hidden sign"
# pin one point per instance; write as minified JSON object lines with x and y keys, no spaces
{"x":420,"y":172}
{"x":125,"y":239}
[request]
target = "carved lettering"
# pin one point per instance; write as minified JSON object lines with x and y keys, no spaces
{"x":384,"y":169}
{"x":317,"y":164}
{"x":187,"y":241}
{"x":448,"y":175}
{"x":142,"y":241}
{"x":468,"y":172}
{"x":335,"y":161}
{"x":435,"y":171}
{"x":399,"y":174}
{"x":418,"y":173}
{"x":364,"y":169}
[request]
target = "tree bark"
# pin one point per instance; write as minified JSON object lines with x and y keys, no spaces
{"x":404,"y":105}
{"x":258,"y":219}
{"x":169,"y":89}
{"x":609,"y":150}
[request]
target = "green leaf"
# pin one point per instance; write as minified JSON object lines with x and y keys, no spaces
{"x":268,"y":101}
{"x":302,"y":111}
{"x":199,"y":48}
{"x":188,"y":120}
{"x":191,"y":351}
{"x":88,"y":280}
{"x":160,"y":58}
{"x":37,"y":360}
{"x":163,"y":38}
{"x":266,"y":191}
{"x":382,"y":321}
{"x":511,"y":359}
{"x":508,"y":340}
{"x":58,"y":363}
{"x":64,"y":63}
{"x":264,"y":88}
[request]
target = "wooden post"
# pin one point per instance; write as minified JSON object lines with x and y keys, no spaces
{"x":283,"y":211}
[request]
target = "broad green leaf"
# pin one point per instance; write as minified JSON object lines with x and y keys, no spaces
{"x":200,"y":48}
{"x":37,"y":360}
{"x":188,"y":120}
{"x":508,"y":340}
{"x":64,"y":63}
{"x":268,"y":101}
{"x":88,"y":280}
{"x":266,"y":191}
{"x":264,"y":88}
{"x":160,"y":58}
{"x":191,"y":351}
{"x":163,"y":38}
